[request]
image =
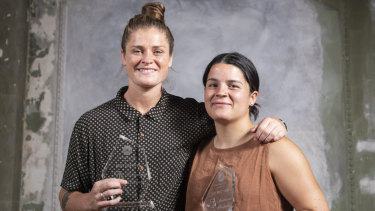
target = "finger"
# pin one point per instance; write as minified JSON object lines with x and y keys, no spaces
{"x":261,"y":132}
{"x":266,"y":132}
{"x":269,"y":139}
{"x":110,"y":180}
{"x":252,"y":130}
{"x":111,"y":183}
{"x":279,"y":135}
{"x":112,"y":192}
{"x":108,"y":203}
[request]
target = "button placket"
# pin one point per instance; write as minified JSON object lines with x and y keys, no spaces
{"x":142,"y":162}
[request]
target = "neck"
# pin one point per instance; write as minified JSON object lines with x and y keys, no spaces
{"x":143,"y":99}
{"x":233,"y":134}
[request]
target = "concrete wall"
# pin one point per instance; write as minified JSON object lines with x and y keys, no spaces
{"x":315,"y":60}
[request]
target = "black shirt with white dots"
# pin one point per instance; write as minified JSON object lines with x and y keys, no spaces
{"x":168,"y":133}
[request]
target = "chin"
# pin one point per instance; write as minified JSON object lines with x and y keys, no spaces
{"x":221,"y":119}
{"x":149,"y":84}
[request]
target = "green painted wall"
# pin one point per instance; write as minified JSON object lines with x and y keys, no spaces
{"x":13,"y":52}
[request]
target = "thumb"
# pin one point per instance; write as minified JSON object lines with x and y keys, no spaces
{"x":254,"y":129}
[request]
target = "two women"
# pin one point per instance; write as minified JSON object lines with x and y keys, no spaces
{"x":272,"y":177}
{"x":166,"y":126}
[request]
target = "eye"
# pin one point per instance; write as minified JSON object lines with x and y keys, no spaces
{"x":211,"y":85}
{"x":136,"y":51}
{"x":158,"y":52}
{"x":234,"y":86}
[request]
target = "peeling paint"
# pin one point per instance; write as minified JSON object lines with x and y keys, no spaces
{"x":28,"y":138}
{"x":34,"y":119}
{"x":39,"y":107}
{"x":6,"y":59}
{"x":1,"y":52}
{"x":368,"y":146}
{"x":36,"y":169}
{"x":37,"y":72}
{"x":6,"y":41}
{"x":33,"y":206}
{"x":367,"y":185}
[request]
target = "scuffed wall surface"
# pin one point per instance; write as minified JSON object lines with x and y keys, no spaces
{"x":13,"y":42}
{"x":361,"y":36}
{"x":40,"y":108}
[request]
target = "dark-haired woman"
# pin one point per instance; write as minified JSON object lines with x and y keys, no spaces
{"x":166,"y":126}
{"x":251,"y":176}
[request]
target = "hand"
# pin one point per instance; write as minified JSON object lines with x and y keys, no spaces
{"x":104,"y":189}
{"x":268,"y":130}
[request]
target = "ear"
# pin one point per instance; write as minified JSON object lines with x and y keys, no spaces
{"x":170,"y":60}
{"x":253,"y":98}
{"x":123,"y":58}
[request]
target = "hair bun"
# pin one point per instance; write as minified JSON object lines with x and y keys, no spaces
{"x":154,"y":10}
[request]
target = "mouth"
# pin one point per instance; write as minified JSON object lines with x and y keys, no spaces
{"x":146,"y":70}
{"x":221,"y":104}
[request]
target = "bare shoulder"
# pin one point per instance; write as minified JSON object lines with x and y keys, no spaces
{"x":285,"y":153}
{"x":284,"y":144}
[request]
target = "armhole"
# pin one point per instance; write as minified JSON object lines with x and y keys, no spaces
{"x":275,"y":191}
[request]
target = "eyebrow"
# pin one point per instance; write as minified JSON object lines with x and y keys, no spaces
{"x":156,"y":46}
{"x":232,"y":81}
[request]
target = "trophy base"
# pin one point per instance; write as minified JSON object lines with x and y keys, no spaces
{"x":136,"y":204}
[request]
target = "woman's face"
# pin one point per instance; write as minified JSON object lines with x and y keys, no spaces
{"x":227,"y":94}
{"x":147,"y":58}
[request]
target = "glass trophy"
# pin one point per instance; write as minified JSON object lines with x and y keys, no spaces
{"x":128,"y":161}
{"x":219,"y":194}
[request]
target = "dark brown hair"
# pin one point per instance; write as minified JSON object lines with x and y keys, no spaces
{"x":152,"y":16}
{"x":245,"y":65}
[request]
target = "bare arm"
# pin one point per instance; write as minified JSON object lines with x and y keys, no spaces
{"x":269,"y":129}
{"x":294,"y":177}
{"x":96,"y":199}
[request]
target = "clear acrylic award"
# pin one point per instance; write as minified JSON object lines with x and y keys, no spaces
{"x":128,"y":161}
{"x":219,"y":194}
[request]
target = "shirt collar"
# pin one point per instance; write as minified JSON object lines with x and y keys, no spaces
{"x":131,"y":113}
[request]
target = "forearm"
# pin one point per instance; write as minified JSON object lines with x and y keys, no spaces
{"x":74,"y":200}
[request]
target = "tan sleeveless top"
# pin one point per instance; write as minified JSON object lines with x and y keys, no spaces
{"x":255,"y":188}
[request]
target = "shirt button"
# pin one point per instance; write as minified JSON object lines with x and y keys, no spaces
{"x":141,"y":167}
{"x":142,"y":134}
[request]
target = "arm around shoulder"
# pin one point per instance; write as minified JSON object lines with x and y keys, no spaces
{"x":294,"y":178}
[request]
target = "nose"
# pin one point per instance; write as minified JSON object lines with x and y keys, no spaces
{"x":222,"y":91}
{"x":147,"y":58}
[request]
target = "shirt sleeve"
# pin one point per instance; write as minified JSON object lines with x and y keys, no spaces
{"x":76,"y":174}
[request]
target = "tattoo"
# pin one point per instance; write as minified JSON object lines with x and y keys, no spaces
{"x":65,"y":199}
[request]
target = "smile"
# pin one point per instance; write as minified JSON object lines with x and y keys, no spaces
{"x":148,"y":70}
{"x":221,"y":104}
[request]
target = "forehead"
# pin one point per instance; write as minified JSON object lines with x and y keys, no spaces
{"x":223,"y":71}
{"x":148,"y":36}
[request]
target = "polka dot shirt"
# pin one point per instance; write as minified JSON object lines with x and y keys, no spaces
{"x":168,"y":135}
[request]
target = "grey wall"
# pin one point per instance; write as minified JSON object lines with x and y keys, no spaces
{"x":283,"y":38}
{"x":315,"y":60}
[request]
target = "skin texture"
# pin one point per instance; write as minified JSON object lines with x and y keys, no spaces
{"x":227,"y":98}
{"x":147,"y":59}
{"x":294,"y":177}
